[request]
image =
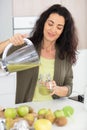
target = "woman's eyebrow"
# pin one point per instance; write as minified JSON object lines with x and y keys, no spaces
{"x":61,"y":25}
{"x":50,"y":20}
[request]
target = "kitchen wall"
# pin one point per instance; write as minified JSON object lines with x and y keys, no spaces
{"x":78,"y":9}
{"x":6,"y":29}
{"x":31,"y":8}
{"x":80,"y":73}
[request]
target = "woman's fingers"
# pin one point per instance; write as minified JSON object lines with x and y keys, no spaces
{"x":51,"y":84}
{"x":18,"y":39}
{"x":53,"y":87}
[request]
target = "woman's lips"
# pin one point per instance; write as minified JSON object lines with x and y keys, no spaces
{"x":51,"y":34}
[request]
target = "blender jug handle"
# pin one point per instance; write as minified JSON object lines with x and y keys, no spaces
{"x":27,"y":41}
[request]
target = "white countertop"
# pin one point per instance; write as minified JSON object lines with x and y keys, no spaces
{"x":78,"y":121}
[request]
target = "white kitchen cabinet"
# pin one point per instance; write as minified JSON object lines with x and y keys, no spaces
{"x":7,"y":89}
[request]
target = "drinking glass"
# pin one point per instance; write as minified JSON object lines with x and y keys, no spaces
{"x":43,"y":90}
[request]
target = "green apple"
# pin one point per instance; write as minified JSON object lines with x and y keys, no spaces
{"x":42,"y":124}
{"x":42,"y":111}
{"x":10,"y":113}
{"x":23,"y":110}
{"x":59,"y":113}
{"x":68,"y":111}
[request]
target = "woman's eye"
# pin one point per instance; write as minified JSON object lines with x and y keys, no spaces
{"x":50,"y":24}
{"x":59,"y":28}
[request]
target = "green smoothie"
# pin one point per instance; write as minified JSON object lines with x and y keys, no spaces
{"x":43,"y":90}
{"x":20,"y":67}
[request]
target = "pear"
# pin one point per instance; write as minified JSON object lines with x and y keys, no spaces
{"x":31,"y":109}
{"x":9,"y":123}
{"x":50,"y":116}
{"x":40,"y":116}
{"x":30,"y":118}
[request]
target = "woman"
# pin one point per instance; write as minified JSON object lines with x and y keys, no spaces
{"x":55,"y":39}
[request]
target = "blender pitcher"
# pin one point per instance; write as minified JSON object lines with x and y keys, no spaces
{"x":24,"y":58}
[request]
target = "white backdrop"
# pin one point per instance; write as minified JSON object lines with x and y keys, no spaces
{"x":80,"y":73}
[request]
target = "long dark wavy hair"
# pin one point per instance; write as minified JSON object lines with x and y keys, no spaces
{"x":68,"y":40}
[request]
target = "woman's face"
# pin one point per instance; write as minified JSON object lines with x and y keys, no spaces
{"x":53,"y":27}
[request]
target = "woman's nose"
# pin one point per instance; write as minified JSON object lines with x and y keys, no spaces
{"x":54,"y":29}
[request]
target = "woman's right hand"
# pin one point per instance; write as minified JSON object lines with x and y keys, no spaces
{"x":18,"y":39}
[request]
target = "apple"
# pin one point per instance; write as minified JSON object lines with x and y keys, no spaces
{"x":42,"y":111}
{"x":68,"y":111}
{"x":23,"y":110}
{"x":59,"y":113}
{"x":42,"y":124}
{"x":10,"y":113}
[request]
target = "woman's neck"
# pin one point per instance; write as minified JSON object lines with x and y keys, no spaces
{"x":48,"y":50}
{"x":48,"y":46}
